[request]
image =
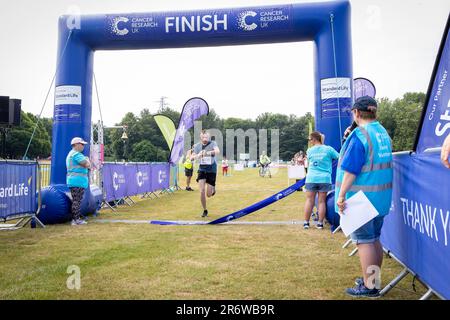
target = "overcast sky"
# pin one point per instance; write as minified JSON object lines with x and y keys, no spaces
{"x":395,"y":43}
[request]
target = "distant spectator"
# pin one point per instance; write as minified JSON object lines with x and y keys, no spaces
{"x":299,"y":160}
{"x":224,"y":166}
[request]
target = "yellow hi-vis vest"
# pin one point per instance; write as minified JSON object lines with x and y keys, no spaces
{"x":188,"y":163}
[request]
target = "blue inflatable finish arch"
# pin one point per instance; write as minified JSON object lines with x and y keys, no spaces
{"x":326,"y":24}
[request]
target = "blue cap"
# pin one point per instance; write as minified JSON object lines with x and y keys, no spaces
{"x":365,"y":103}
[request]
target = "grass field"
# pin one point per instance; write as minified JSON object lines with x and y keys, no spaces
{"x":143,"y":261}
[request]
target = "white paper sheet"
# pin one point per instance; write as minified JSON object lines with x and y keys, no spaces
{"x":296,"y":172}
{"x":359,"y":210}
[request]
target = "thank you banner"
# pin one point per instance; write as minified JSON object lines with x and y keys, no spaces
{"x":417,"y":230}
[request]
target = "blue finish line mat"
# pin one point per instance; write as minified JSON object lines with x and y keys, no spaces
{"x":243,"y":212}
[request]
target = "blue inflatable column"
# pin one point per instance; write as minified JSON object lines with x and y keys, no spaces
{"x":333,"y":59}
{"x":71,"y":118}
{"x":74,"y":76}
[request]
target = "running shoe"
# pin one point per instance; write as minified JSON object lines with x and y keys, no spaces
{"x":78,"y":222}
{"x":361,"y":291}
{"x":205,"y":213}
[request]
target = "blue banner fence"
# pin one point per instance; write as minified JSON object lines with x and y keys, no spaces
{"x":417,"y":230}
{"x":20,"y":199}
{"x":122,"y":181}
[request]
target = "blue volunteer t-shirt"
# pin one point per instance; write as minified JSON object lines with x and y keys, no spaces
{"x":80,"y":181}
{"x":320,"y":164}
{"x":354,"y":156}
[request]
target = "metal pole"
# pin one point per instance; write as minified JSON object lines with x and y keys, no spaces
{"x":347,"y":243}
{"x":3,"y":143}
{"x":394,"y":282}
{"x":38,"y":184}
{"x":353,"y":252}
{"x":337,"y":230}
{"x":427,"y":295}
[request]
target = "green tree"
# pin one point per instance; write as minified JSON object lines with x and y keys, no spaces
{"x":144,"y":151}
{"x":401,"y":118}
{"x":211,"y":120}
{"x":146,"y":143}
{"x":18,"y":138}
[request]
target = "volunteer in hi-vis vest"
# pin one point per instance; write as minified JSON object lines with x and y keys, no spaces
{"x":365,"y":164}
{"x":205,"y":152}
{"x":188,"y":170}
{"x":77,"y":177}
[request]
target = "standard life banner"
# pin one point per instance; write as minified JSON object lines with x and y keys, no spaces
{"x":17,"y":189}
{"x":126,"y":180}
{"x":336,"y":94}
{"x":435,"y":126}
{"x":417,"y":230}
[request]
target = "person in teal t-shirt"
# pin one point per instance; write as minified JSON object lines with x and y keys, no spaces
{"x":77,"y":177}
{"x":318,"y":180}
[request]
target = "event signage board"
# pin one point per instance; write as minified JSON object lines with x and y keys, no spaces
{"x":17,"y":188}
{"x":417,"y":230}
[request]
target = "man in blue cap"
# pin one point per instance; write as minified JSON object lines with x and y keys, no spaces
{"x":365,"y":164}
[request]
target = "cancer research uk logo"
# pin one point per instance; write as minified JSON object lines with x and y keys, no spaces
{"x":118,"y":179}
{"x":141,"y":177}
{"x":162,"y":176}
{"x":121,"y":26}
{"x":250,"y":20}
{"x":117,"y":26}
{"x":242,"y":23}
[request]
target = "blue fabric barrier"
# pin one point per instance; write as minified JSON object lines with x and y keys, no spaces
{"x":417,"y":231}
{"x":126,"y":180}
{"x":18,"y":189}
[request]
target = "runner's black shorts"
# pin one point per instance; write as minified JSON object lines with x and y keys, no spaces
{"x":188,"y":172}
{"x":210,"y":177}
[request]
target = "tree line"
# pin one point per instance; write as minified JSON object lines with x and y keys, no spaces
{"x":146,"y":143}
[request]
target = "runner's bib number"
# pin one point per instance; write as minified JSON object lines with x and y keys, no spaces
{"x":206,"y":161}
